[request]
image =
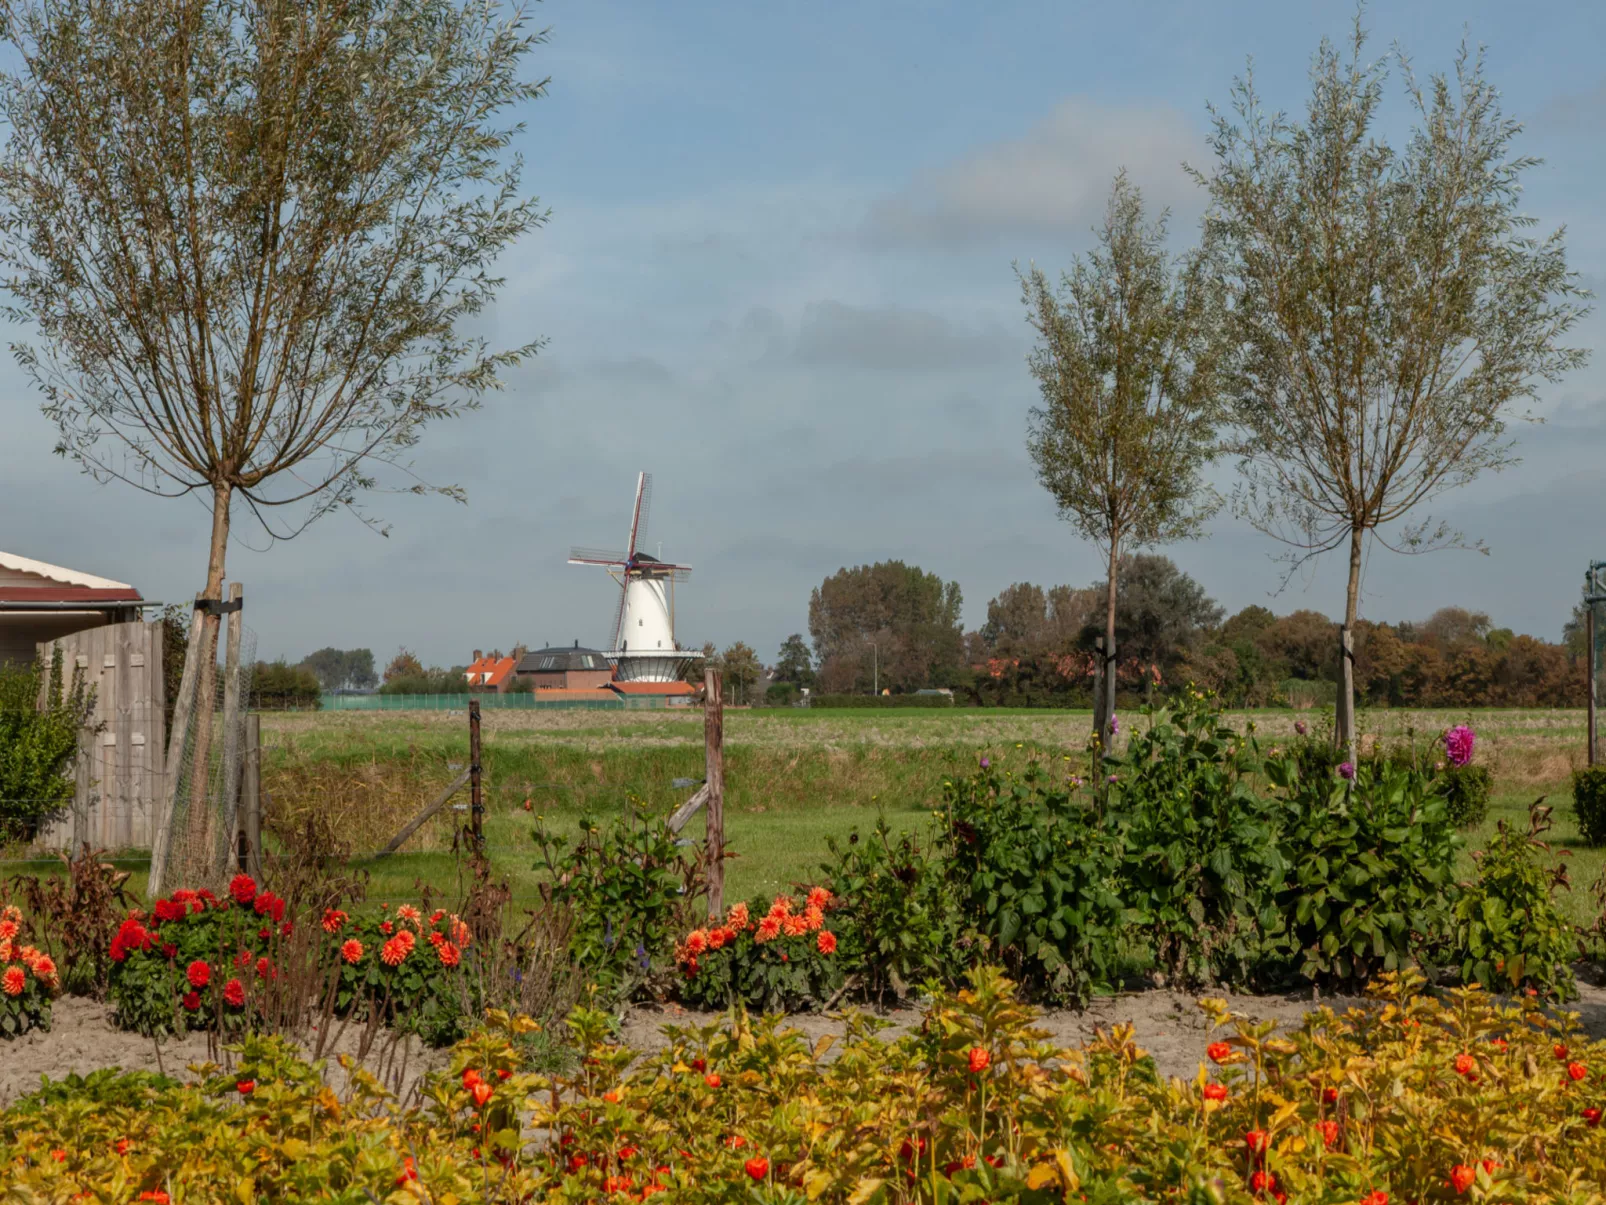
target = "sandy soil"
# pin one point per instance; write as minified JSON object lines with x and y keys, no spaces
{"x":1169,"y":1026}
{"x":82,"y":1039}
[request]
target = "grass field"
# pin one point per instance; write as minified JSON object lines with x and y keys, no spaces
{"x":794,"y":777}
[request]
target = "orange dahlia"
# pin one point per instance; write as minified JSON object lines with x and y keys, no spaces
{"x":394,"y":952}
{"x":449,"y":954}
{"x":352,"y":951}
{"x":14,"y":980}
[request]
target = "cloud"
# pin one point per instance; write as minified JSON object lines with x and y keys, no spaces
{"x":894,"y":339}
{"x":1053,"y":179}
{"x":1573,"y":110}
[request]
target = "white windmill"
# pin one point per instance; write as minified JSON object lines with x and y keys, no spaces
{"x":643,"y":648}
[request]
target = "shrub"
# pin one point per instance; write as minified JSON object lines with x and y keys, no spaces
{"x":1200,"y":861}
{"x":1508,"y":929}
{"x":1589,"y":803}
{"x":38,"y":744}
{"x":280,"y":686}
{"x":194,"y":961}
{"x":402,"y":970}
{"x":784,"y":960}
{"x":75,"y":918}
{"x":781,"y":694}
{"x":1466,"y":791}
{"x":895,"y":901}
{"x":237,"y":964}
{"x":862,"y":701}
{"x":1369,"y":886}
{"x":629,"y":886}
{"x":28,"y":979}
{"x":1036,"y":874}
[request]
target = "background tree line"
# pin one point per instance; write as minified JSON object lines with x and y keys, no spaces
{"x":1035,"y":648}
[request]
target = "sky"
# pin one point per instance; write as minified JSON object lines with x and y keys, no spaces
{"x":778,"y":275}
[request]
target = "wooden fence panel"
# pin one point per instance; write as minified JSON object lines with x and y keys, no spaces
{"x":120,"y":770}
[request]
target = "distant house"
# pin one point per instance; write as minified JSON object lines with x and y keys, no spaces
{"x":561,"y":668}
{"x":40,"y":602}
{"x":491,"y":673}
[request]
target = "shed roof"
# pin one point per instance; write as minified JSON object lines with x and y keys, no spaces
{"x":60,"y":579}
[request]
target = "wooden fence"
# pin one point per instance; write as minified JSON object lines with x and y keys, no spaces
{"x":123,"y":748}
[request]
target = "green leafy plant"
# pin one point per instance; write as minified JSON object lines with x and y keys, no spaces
{"x":1508,"y":930}
{"x":40,"y":722}
{"x":1201,"y":863}
{"x":1369,"y":886}
{"x":895,"y":900}
{"x":1589,"y":803}
{"x":781,"y":959}
{"x":1466,"y":792}
{"x":403,"y":968}
{"x":28,"y":978}
{"x":629,"y":885}
{"x":1036,"y":873}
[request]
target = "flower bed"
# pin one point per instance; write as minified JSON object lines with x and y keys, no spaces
{"x":200,"y":962}
{"x":785,"y":960}
{"x":1417,"y":1099}
{"x":28,"y":980}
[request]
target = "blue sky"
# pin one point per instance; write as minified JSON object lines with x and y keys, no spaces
{"x":778,"y":276}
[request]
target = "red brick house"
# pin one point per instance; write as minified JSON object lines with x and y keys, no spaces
{"x":491,"y":673}
{"x":560,"y":668}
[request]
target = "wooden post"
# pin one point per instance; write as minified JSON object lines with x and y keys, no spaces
{"x":1344,"y":729}
{"x":714,"y":759}
{"x":251,"y":797}
{"x":1589,"y":638}
{"x":476,"y":803}
{"x":228,"y":806}
{"x":162,"y":838}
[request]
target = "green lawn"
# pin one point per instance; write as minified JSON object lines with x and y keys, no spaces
{"x":793,"y":777}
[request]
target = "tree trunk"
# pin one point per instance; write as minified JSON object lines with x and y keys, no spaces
{"x":198,"y":823}
{"x":1345,"y":711}
{"x":1104,"y":707}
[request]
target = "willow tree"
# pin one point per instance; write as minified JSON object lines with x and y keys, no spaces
{"x":1127,"y":358}
{"x":250,"y":236}
{"x":1393,"y":308}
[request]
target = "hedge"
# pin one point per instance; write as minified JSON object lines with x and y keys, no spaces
{"x":898,"y":701}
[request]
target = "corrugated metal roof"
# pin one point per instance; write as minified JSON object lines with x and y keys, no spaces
{"x":58,"y":573}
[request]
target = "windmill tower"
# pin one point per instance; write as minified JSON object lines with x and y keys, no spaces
{"x":643,"y":647}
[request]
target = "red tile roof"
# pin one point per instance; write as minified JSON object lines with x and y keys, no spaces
{"x":489,"y":671}
{"x":53,"y":594}
{"x":652,"y":688}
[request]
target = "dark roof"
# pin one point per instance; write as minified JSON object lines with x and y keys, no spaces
{"x":560,"y":659}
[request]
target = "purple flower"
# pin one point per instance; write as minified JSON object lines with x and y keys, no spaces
{"x":1112,"y":778}
{"x":985,"y":763}
{"x":1458,"y":745}
{"x":1299,"y":727}
{"x":1115,"y":725}
{"x":1346,"y":770}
